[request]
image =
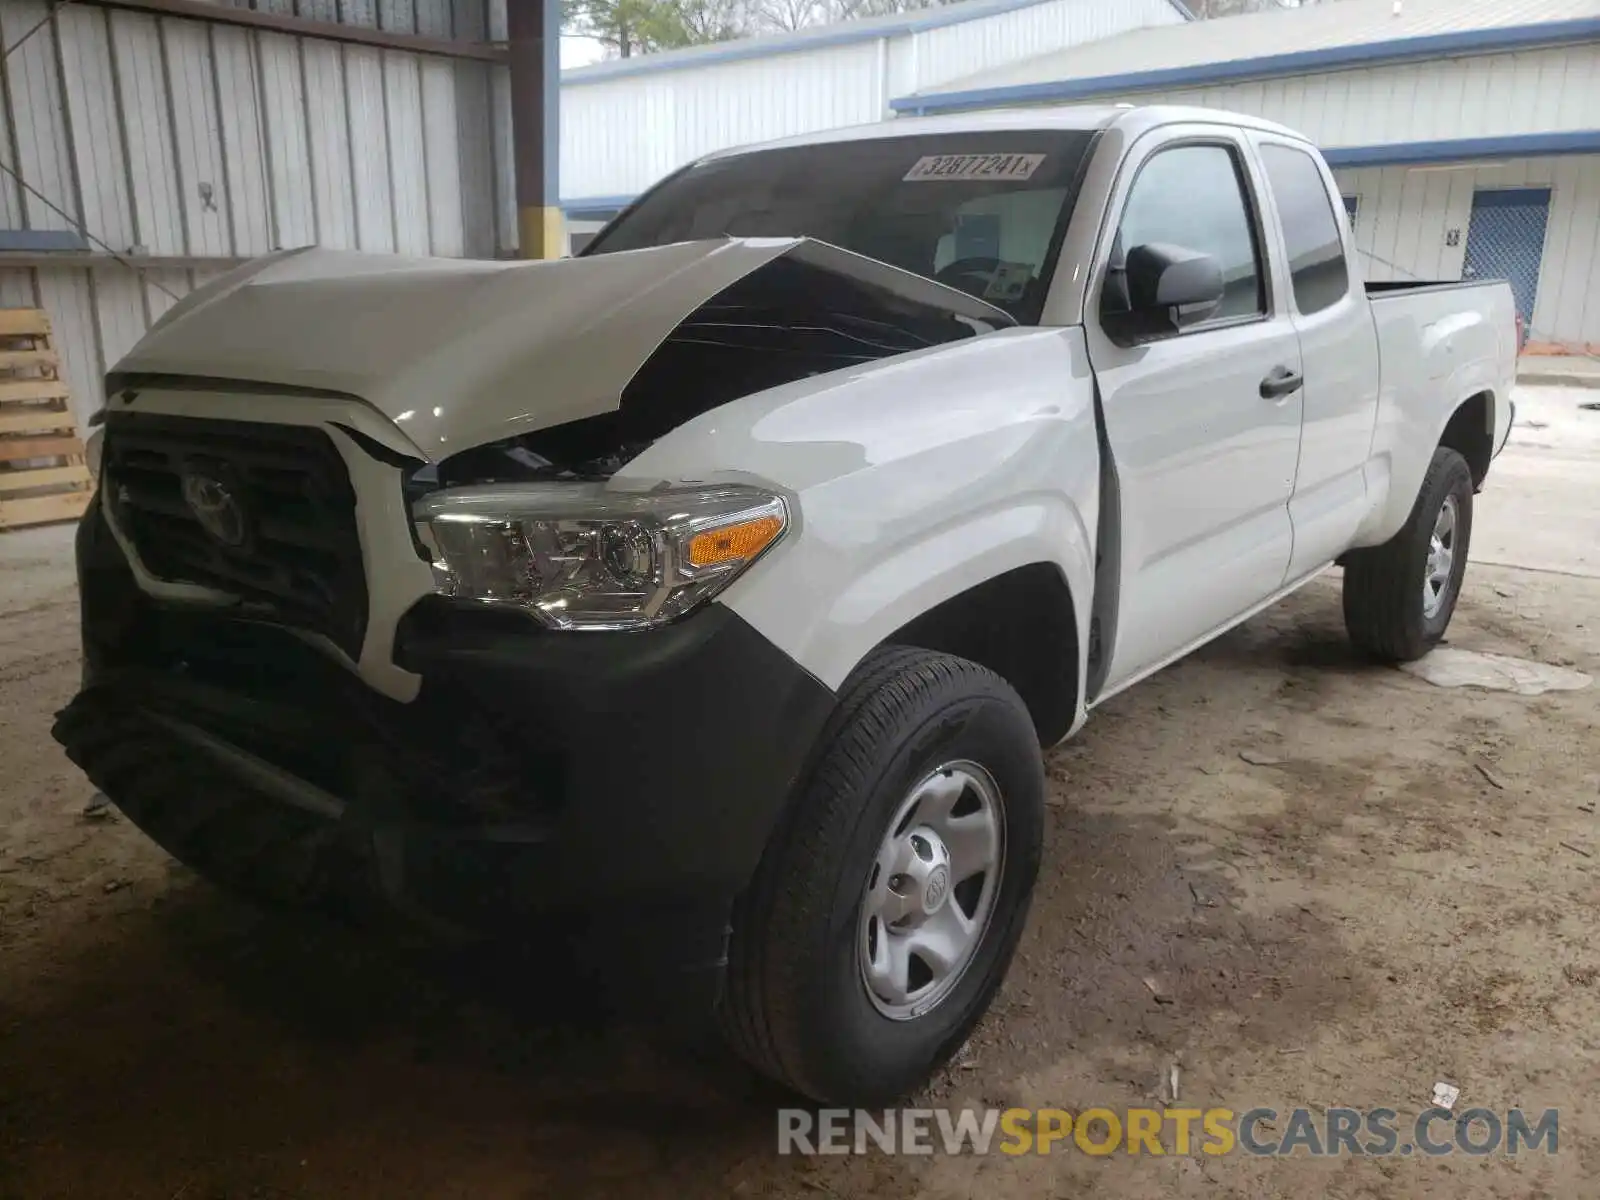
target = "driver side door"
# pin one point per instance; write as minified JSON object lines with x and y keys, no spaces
{"x":1203,"y":421}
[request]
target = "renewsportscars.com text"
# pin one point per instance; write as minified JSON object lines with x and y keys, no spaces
{"x":1374,"y":1132}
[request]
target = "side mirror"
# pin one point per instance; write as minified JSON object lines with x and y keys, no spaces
{"x":1161,"y":285}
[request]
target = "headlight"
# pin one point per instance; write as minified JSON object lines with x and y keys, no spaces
{"x":578,"y":556}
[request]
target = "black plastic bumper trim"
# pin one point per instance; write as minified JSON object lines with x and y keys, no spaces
{"x":657,"y":763}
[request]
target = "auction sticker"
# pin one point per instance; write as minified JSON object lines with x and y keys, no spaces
{"x":973,"y":166}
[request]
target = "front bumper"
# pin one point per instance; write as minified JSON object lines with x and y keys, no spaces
{"x":539,"y":782}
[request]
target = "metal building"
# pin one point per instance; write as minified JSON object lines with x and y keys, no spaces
{"x":628,"y":122}
{"x":161,"y":141}
{"x":151,"y":144}
{"x":1465,"y":133}
{"x":148,"y":152}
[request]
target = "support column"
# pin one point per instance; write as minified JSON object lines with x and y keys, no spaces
{"x":534,"y":31}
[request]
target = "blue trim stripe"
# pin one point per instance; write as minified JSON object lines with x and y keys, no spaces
{"x":42,"y":240}
{"x":595,"y":206}
{"x":1300,"y":62}
{"x":1523,"y":145}
{"x":846,"y":34}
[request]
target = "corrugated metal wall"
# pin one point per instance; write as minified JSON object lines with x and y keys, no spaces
{"x":619,"y":135}
{"x":201,"y":143}
{"x":940,"y":55}
{"x":1405,"y":212}
{"x":1405,"y":216}
{"x":1540,"y":91}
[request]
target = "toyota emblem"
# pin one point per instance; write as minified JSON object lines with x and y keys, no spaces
{"x":216,"y":508}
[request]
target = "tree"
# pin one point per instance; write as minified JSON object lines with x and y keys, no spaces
{"x":629,"y":27}
{"x":783,"y":15}
{"x":702,"y":21}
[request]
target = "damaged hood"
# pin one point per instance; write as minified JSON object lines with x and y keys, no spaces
{"x":459,"y":352}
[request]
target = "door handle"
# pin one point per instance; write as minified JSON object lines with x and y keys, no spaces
{"x":1280,"y":382}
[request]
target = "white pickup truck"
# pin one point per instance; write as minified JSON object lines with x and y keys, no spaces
{"x":704,"y":601}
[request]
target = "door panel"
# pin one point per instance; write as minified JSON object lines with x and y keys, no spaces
{"x":1205,"y":460}
{"x":1339,"y":350}
{"x":1505,"y":240}
{"x":1205,"y":467}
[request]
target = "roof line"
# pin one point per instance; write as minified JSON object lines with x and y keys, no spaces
{"x":1517,"y":145}
{"x":771,"y":47}
{"x":1432,"y":45}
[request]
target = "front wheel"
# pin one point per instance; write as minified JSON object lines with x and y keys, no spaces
{"x":888,"y":906}
{"x":1399,"y":597}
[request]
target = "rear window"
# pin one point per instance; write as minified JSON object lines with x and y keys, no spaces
{"x":980,"y":211}
{"x":1310,"y":228}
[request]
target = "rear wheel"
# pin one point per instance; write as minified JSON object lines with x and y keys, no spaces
{"x":889,"y":903}
{"x":1399,"y":597}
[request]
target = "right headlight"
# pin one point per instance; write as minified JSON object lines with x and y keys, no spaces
{"x":578,"y":556}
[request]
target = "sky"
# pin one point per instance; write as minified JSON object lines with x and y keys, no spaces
{"x":580,"y":51}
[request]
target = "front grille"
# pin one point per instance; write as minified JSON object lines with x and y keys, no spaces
{"x":282,"y":513}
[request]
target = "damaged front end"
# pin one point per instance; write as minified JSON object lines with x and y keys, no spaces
{"x":334,"y":492}
{"x":529,"y":521}
{"x":811,"y":311}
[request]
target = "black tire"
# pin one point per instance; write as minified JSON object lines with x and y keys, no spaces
{"x":795,"y":1005}
{"x":1383,"y":599}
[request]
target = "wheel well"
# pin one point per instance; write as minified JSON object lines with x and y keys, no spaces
{"x":1470,"y":433}
{"x":1023,"y":627}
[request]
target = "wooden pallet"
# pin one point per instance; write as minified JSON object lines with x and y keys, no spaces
{"x":43,"y":475}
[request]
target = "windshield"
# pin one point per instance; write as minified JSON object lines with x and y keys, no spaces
{"x":981,"y":211}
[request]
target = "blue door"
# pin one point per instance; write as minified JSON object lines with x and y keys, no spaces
{"x":1505,"y":240}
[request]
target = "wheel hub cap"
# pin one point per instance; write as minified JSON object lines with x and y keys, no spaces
{"x":931,"y":890}
{"x":1441,"y":559}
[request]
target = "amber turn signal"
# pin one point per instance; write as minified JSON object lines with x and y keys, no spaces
{"x":733,"y":543}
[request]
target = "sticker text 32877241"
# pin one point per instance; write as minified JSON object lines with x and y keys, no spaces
{"x":973,"y":166}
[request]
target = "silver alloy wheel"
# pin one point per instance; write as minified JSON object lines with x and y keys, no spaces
{"x":931,"y":890}
{"x":1441,"y":559}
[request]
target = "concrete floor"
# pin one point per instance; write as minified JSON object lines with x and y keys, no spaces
{"x":1542,"y":512}
{"x":1342,"y":884}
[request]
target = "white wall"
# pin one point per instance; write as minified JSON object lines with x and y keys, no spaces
{"x":618,"y":137}
{"x":1405,"y":213}
{"x":936,"y":56}
{"x":621,"y":133}
{"x":1538,"y":91}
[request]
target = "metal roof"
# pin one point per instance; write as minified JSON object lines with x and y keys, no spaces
{"x":1274,"y":42}
{"x":844,"y":33}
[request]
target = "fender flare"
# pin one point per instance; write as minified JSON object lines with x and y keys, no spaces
{"x":848,"y":623}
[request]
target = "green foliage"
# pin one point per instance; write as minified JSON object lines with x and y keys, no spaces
{"x":629,"y":27}
{"x":625,"y":27}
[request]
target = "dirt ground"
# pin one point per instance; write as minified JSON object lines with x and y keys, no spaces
{"x":1400,"y":889}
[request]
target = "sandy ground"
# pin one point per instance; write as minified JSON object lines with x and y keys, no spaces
{"x":1359,"y":912}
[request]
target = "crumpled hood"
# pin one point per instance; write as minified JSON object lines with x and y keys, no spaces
{"x":459,"y":352}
